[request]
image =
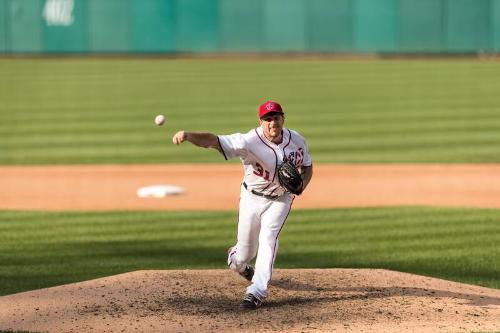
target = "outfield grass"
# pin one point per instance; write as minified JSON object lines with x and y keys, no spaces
{"x":56,"y":111}
{"x":46,"y":249}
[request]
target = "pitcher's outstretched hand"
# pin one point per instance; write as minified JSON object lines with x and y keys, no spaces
{"x":179,"y":137}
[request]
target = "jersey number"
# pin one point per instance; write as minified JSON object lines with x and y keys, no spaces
{"x":261,"y":172}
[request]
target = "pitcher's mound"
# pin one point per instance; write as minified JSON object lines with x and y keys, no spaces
{"x":306,"y":300}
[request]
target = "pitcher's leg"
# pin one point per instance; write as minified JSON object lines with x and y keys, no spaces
{"x":248,"y":235}
{"x":272,"y":221}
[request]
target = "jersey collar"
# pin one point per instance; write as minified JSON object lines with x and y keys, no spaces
{"x":284,"y":133}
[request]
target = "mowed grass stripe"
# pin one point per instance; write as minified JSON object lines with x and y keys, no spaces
{"x":394,"y":130}
{"x":360,"y":115}
{"x":429,"y":117}
{"x":174,"y":70}
{"x":129,"y":153}
{"x":87,"y":103}
{"x":41,"y":249}
{"x":361,"y":143}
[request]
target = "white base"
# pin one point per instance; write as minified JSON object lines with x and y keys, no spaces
{"x":159,"y":191}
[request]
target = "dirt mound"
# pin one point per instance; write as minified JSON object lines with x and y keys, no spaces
{"x":306,"y":300}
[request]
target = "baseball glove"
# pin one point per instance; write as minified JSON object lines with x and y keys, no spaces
{"x":289,"y":177}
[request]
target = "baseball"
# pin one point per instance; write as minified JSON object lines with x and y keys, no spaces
{"x":160,"y":120}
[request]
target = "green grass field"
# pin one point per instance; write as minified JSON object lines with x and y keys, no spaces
{"x":57,"y":111}
{"x":45,"y":249}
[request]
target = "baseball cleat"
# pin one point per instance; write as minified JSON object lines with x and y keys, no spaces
{"x":250,"y":302}
{"x":248,"y":273}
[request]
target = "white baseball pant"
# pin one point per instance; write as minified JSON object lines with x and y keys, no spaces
{"x":259,"y":225}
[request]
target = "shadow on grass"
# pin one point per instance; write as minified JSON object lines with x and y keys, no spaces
{"x":77,"y":262}
{"x":460,"y":271}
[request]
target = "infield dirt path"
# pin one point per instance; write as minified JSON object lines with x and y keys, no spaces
{"x":216,"y":186}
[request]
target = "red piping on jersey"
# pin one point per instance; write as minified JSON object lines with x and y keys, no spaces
{"x":289,"y":140}
{"x":230,"y":255}
{"x":275,"y":155}
{"x":284,"y":155}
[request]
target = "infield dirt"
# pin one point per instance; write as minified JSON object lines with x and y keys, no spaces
{"x":216,"y":186}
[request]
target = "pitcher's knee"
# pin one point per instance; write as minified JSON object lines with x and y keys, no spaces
{"x":238,"y":258}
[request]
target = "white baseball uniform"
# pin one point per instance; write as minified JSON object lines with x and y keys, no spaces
{"x":264,"y":204}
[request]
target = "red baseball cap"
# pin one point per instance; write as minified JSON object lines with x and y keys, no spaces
{"x":268,"y":107}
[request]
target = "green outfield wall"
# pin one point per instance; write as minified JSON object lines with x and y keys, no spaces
{"x":170,"y":26}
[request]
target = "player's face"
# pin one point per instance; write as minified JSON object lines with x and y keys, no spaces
{"x":272,"y":125}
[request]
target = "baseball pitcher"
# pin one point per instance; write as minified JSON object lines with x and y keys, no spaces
{"x":277,"y":167}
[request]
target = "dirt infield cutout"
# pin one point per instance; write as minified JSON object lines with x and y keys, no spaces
{"x":114,"y":187}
